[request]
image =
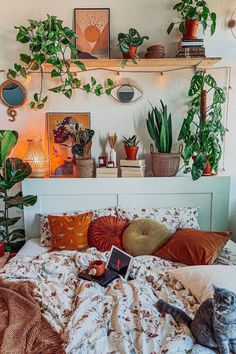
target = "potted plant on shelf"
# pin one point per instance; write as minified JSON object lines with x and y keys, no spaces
{"x":81,"y":151}
{"x":202,"y":130}
{"x":193,"y":12}
{"x":131,"y":147}
{"x":12,"y":171}
{"x":159,"y":125}
{"x":129,"y":43}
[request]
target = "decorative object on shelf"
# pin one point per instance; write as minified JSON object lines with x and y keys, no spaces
{"x":127,"y":91}
{"x":92,"y":27}
{"x":97,"y":268}
{"x":59,"y":40}
{"x":13,"y":95}
{"x":81,"y":151}
{"x":131,"y":147}
{"x":36,"y":157}
{"x":231,"y":23}
{"x":61,"y":137}
{"x":192,"y":14}
{"x":159,"y":125}
{"x":129,"y":43}
{"x":132,"y":168}
{"x":202,"y":130}
{"x":107,"y":172}
{"x":155,"y":51}
{"x":102,"y":161}
{"x":191,"y":48}
{"x":2,"y":251}
{"x":12,"y":171}
{"x":112,"y":139}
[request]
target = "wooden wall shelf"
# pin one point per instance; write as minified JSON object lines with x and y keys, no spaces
{"x":152,"y":64}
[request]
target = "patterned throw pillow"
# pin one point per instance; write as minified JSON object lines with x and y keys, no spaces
{"x":189,"y":218}
{"x":106,"y":232}
{"x":45,"y":234}
{"x":70,"y":232}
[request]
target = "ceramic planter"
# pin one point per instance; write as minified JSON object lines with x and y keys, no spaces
{"x":191,"y":27}
{"x":131,"y":54}
{"x":131,"y":152}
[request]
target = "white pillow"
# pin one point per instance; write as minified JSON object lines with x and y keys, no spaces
{"x":199,"y":279}
{"x":45,"y":234}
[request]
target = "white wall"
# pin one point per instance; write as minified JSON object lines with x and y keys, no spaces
{"x":150,"y":18}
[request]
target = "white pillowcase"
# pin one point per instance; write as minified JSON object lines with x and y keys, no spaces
{"x":199,"y":279}
{"x":45,"y":234}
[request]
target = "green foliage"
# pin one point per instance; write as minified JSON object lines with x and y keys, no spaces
{"x":12,"y":171}
{"x":131,"y":39}
{"x":194,"y":10}
{"x":47,"y":43}
{"x":159,"y":125}
{"x":131,"y":141}
{"x":82,"y":146}
{"x":203,"y":137}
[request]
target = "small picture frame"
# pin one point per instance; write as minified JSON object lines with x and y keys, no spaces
{"x":61,"y":137}
{"x":92,"y":27}
{"x":120,"y":262}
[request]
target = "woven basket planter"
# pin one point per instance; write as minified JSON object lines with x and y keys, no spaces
{"x":85,"y":168}
{"x":164,"y":165}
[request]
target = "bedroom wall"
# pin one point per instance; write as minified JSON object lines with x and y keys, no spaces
{"x":150,"y":17}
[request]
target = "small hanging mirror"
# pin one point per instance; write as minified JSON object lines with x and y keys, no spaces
{"x":13,"y":95}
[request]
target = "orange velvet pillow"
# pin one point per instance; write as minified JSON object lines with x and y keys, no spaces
{"x":106,"y":232}
{"x":70,"y":232}
{"x":194,"y":247}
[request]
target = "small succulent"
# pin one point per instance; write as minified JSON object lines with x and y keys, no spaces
{"x":131,"y":141}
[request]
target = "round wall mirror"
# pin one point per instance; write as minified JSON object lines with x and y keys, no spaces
{"x":13,"y":95}
{"x":125,"y":93}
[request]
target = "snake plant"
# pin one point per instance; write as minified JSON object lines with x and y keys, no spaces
{"x":159,"y":125}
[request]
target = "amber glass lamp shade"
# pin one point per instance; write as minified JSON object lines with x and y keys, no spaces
{"x":36,"y":157}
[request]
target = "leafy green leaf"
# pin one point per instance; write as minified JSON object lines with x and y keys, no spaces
{"x":170,"y":28}
{"x":9,"y":221}
{"x":19,"y":201}
{"x":8,"y":139}
{"x":87,"y":88}
{"x":12,"y":73}
{"x":15,"y":171}
{"x":80,"y":64}
{"x":197,"y":83}
{"x":25,"y":58}
{"x":55,"y":73}
{"x":39,"y":58}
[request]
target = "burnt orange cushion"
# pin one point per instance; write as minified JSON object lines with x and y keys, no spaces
{"x":70,"y":232}
{"x":194,"y":247}
{"x":106,"y":232}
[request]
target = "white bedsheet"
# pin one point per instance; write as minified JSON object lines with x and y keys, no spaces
{"x":32,"y":248}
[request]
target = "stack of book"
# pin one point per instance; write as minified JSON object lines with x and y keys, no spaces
{"x":132,"y":168}
{"x":191,"y":48}
{"x":105,"y":172}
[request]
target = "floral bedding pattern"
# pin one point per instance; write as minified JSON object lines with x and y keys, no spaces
{"x":121,"y":318}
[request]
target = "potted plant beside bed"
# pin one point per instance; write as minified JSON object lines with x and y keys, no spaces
{"x":129,"y":43}
{"x":193,"y":13}
{"x":159,"y":125}
{"x":202,"y":130}
{"x":81,"y":151}
{"x":131,"y":147}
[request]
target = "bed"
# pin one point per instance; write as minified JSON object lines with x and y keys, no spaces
{"x":121,"y":318}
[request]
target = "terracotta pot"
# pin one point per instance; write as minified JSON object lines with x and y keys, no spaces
{"x":131,"y":54}
{"x":208,"y":169}
{"x":191,"y":27}
{"x":131,"y":152}
{"x":96,"y":268}
{"x":2,"y":249}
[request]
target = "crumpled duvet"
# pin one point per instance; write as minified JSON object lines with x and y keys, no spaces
{"x":121,"y":318}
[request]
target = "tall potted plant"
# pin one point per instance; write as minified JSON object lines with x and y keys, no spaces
{"x":159,"y":125}
{"x":129,"y":43}
{"x":202,"y":130}
{"x":81,"y":151}
{"x":193,"y":13}
{"x":12,"y":171}
{"x":131,"y":147}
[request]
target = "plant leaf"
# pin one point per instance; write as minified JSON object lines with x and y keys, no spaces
{"x":8,"y":139}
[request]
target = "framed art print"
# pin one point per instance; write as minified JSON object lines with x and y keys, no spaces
{"x":92,"y":26}
{"x":61,"y":137}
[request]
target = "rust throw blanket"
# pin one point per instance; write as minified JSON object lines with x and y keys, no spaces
{"x":23,"y":330}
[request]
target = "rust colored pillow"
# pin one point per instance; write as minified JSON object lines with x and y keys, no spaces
{"x":194,"y":247}
{"x":70,"y":232}
{"x":106,"y":232}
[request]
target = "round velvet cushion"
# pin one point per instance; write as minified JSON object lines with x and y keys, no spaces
{"x":105,"y":232}
{"x":144,"y":237}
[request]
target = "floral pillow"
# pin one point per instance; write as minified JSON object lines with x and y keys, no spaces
{"x":45,"y":234}
{"x":189,"y":218}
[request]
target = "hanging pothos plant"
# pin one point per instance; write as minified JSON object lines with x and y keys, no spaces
{"x":202,"y":130}
{"x":48,"y":42}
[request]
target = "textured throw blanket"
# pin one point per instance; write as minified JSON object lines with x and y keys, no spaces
{"x":23,"y":330}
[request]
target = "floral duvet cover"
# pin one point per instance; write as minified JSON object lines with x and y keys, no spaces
{"x":121,"y":318}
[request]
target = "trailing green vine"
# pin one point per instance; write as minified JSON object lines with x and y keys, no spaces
{"x":49,"y":42}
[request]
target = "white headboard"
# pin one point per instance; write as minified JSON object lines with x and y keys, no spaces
{"x":210,"y":194}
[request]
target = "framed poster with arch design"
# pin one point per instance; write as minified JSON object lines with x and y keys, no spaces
{"x":92,"y":26}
